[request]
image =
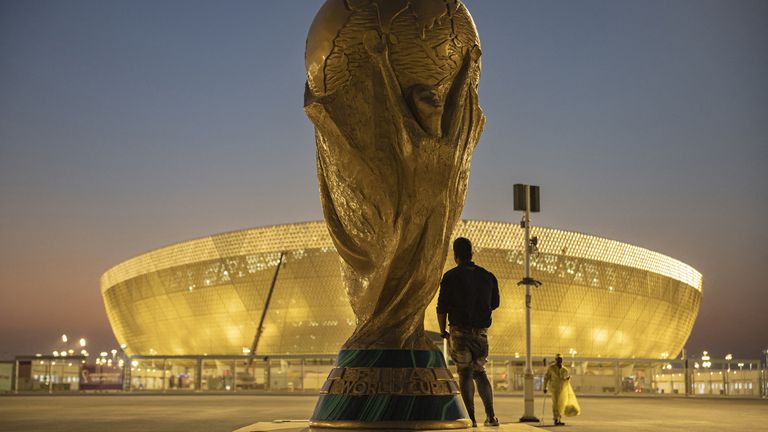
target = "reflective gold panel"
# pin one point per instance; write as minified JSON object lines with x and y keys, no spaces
{"x":206,"y":296}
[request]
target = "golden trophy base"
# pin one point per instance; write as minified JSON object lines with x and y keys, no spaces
{"x":392,"y":425}
{"x":390,"y":390}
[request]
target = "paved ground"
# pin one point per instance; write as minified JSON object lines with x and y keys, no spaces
{"x":302,"y":427}
{"x":219,"y":413}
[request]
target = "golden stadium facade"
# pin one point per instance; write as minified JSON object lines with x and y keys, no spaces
{"x":599,"y":298}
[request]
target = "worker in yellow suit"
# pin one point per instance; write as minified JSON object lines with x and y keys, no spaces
{"x":556,"y":381}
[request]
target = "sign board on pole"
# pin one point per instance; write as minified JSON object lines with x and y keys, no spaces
{"x":519,"y":198}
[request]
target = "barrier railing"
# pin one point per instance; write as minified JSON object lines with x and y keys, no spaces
{"x":295,"y":373}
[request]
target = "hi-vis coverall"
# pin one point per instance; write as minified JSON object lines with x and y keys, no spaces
{"x":555,"y":381}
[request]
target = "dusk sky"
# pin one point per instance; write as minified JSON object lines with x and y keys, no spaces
{"x":130,"y":125}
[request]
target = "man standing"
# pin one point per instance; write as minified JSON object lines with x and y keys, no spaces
{"x":555,"y":381}
{"x":468,"y":294}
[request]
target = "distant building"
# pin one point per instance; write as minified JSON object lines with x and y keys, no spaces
{"x":599,"y":298}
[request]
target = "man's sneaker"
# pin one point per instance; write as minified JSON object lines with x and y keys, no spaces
{"x":559,"y":423}
{"x":491,"y":421}
{"x":474,"y":423}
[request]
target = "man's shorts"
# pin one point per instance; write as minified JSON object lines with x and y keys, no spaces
{"x":469,"y":347}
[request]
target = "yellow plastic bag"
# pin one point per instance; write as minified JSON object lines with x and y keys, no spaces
{"x":572,"y":408}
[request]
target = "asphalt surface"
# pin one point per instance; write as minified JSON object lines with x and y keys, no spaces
{"x":226,"y":413}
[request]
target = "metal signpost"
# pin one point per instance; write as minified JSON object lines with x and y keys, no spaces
{"x":526,"y":199}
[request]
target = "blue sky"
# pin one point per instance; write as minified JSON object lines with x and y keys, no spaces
{"x":128,"y":125}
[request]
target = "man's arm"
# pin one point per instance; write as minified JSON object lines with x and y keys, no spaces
{"x":546,"y":380}
{"x":495,"y":301}
{"x":442,"y":319}
{"x":442,"y":308}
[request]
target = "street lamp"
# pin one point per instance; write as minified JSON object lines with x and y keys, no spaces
{"x":705,"y":363}
{"x":64,"y":338}
{"x":82,"y":342}
{"x":726,"y":375}
{"x":526,"y":199}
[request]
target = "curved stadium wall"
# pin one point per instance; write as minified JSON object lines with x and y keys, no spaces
{"x":600,"y":298}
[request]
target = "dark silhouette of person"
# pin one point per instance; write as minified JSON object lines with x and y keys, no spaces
{"x":468,"y":295}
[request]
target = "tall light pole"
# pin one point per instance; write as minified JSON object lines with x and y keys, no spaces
{"x":765,"y":373}
{"x":526,"y":199}
{"x":726,"y":375}
{"x":765,"y":353}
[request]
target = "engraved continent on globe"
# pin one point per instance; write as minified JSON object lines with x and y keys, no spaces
{"x":392,"y":92}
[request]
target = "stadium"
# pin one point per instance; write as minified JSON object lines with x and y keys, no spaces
{"x":600,"y":298}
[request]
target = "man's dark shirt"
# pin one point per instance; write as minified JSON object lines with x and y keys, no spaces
{"x":468,"y":294}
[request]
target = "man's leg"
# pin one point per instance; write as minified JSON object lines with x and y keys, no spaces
{"x":486,"y":392}
{"x":467,"y":386}
{"x":462,"y":356}
{"x":479,"y":348}
{"x":555,"y":407}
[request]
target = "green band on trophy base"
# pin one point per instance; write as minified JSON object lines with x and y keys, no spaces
{"x":390,"y":389}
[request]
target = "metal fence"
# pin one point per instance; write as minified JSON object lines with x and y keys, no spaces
{"x":231,"y":374}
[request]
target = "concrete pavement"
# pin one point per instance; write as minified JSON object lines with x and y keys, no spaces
{"x":226,"y":413}
{"x":302,"y":427}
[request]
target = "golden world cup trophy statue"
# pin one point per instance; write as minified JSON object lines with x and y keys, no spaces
{"x":392,"y":92}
